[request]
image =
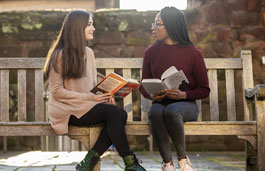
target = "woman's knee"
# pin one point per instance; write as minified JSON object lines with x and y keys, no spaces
{"x":113,"y":112}
{"x":172,"y":111}
{"x":124,"y":116}
{"x":155,"y":112}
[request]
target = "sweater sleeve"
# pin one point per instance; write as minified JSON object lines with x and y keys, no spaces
{"x":199,"y":73}
{"x":58,"y":91}
{"x":146,"y":73}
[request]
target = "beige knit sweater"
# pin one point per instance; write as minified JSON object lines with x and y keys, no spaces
{"x":70,"y":96}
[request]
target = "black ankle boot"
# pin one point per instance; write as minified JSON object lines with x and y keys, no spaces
{"x":132,"y":163}
{"x":89,"y":162}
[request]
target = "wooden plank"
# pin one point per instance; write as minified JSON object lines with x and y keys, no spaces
{"x":145,"y":105}
{"x":230,"y":95}
{"x":214,"y":107}
{"x":247,"y":80}
{"x":119,"y":62}
{"x":109,"y":70}
{"x":260,"y":113}
{"x":39,"y":101}
{"x":21,"y":95}
{"x":74,"y":145}
{"x":4,"y":98}
{"x":66,"y":143}
{"x":127,"y":101}
{"x":151,"y":142}
{"x":136,"y":128}
{"x":199,"y":106}
{"x":60,"y":143}
{"x":211,"y":63}
{"x":22,"y":63}
{"x":201,"y":128}
{"x":223,"y":63}
{"x":5,"y":144}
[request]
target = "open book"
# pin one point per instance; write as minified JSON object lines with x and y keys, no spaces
{"x":116,"y":85}
{"x":170,"y":79}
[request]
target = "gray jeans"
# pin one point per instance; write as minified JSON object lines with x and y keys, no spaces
{"x":168,"y":121}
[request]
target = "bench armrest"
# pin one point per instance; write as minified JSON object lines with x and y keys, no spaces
{"x":259,"y":91}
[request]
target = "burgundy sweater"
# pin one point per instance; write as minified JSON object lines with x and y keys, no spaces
{"x":161,"y":56}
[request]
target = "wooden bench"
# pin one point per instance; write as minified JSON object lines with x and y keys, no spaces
{"x":252,"y":128}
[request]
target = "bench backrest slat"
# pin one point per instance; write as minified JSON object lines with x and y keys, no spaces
{"x":39,"y":102}
{"x":214,"y":107}
{"x":127,"y":101}
{"x":247,"y":81}
{"x":223,"y":63}
{"x":21,"y":63}
{"x":4,"y":96}
{"x":119,"y":63}
{"x":21,"y":94}
{"x":230,"y":95}
{"x":145,"y":103}
{"x":108,"y":71}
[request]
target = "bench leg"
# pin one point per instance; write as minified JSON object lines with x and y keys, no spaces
{"x":151,"y":143}
{"x":5,"y":144}
{"x":250,"y":148}
{"x":94,"y":133}
{"x":260,"y":113}
{"x":251,"y":162}
{"x":89,"y":141}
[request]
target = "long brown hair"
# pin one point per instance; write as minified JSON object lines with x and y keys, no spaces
{"x":70,"y":44}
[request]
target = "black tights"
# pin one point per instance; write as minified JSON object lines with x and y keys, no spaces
{"x":113,"y":131}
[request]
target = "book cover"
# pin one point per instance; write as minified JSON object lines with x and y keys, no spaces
{"x":116,"y":85}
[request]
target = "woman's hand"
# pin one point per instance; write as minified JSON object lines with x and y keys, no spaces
{"x":102,"y":98}
{"x":158,"y":96}
{"x":111,"y":100}
{"x":175,"y":94}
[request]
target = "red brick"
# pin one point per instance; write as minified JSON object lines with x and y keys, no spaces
{"x":252,"y":5}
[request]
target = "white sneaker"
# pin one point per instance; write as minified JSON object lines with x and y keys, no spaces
{"x":185,"y":165}
{"x":169,"y":166}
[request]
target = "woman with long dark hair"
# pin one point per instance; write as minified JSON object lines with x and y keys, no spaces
{"x":172,"y":107}
{"x":70,"y":68}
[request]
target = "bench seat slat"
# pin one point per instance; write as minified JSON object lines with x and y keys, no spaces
{"x":133,"y":128}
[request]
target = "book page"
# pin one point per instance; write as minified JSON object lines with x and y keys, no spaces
{"x":109,"y":84}
{"x":175,"y":80}
{"x":170,"y":71}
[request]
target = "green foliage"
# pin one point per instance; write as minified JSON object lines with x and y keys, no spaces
{"x":8,"y":28}
{"x":134,"y":41}
{"x":123,"y":25}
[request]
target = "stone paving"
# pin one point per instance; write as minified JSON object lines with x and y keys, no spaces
{"x":66,"y":161}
